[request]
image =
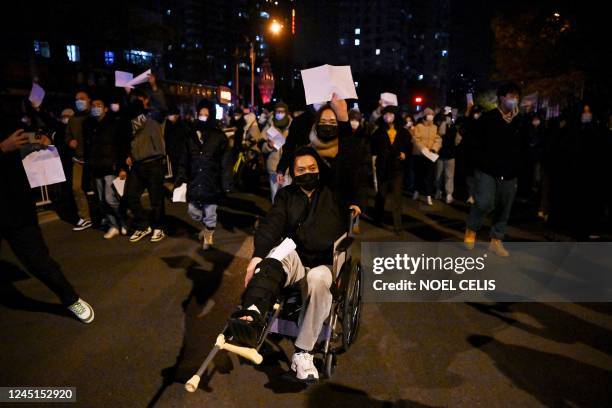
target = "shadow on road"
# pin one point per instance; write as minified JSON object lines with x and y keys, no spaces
{"x":206,"y":282}
{"x":12,"y":298}
{"x":545,"y":375}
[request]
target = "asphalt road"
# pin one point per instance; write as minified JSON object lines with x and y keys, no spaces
{"x":160,"y":306}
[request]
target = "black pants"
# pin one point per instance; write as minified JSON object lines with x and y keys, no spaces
{"x":28,"y":244}
{"x":149,"y":176}
{"x":393,"y":190}
{"x":425,"y":172}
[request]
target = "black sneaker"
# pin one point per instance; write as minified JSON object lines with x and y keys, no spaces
{"x":140,"y":234}
{"x":82,"y":225}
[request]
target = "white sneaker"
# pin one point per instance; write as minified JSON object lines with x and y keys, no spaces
{"x":82,"y":310}
{"x":471,"y":200}
{"x":82,"y":224}
{"x":303,"y":365}
{"x":111,"y":233}
{"x":429,"y":200}
{"x":158,"y":235}
{"x":415,"y":195}
{"x":449,"y":198}
{"x":124,"y":231}
{"x":140,"y":234}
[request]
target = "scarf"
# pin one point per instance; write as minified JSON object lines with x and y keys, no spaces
{"x":327,"y":149}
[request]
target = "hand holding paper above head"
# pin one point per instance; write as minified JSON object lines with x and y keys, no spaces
{"x":37,"y":94}
{"x":388,"y":99}
{"x":340,"y":108}
{"x":127,"y":80}
{"x":322,"y":82}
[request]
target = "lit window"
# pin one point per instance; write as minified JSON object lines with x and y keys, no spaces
{"x":224,"y":66}
{"x":168,"y":12}
{"x":343,"y":41}
{"x":72,"y":51}
{"x":170,"y":65}
{"x":138,"y":57}
{"x":258,"y":70}
{"x":378,"y":51}
{"x":444,"y":53}
{"x":41,"y":48}
{"x":257,"y":38}
{"x":263,"y":14}
{"x":109,"y":57}
{"x":420,"y":77}
{"x":357,"y":42}
{"x":357,"y":31}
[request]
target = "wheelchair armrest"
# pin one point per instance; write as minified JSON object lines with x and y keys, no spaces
{"x":344,"y":244}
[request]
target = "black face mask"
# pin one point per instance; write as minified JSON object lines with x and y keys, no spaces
{"x":308,"y":181}
{"x":327,"y":132}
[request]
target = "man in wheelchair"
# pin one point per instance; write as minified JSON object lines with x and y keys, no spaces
{"x":311,"y":213}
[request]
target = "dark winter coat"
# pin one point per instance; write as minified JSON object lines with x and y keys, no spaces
{"x":205,"y":165}
{"x":388,"y":163}
{"x":105,"y":146}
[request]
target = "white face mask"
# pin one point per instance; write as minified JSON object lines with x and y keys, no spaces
{"x":114,"y":107}
{"x":65,"y":120}
{"x":429,"y":118}
{"x":203,"y":118}
{"x":237,"y":117}
{"x":354,"y":124}
{"x":476,"y":115}
{"x":173,"y":118}
{"x":408,"y":125}
{"x":279,"y":116}
{"x":389,"y":118}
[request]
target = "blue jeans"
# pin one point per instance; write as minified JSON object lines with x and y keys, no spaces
{"x":109,"y":202}
{"x":492,"y":195}
{"x":205,"y":213}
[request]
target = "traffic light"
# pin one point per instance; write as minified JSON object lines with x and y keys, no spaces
{"x":418,"y":100}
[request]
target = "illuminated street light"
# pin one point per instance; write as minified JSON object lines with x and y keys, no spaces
{"x":276,"y":27}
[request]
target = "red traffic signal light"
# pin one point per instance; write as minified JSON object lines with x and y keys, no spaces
{"x":418,"y":100}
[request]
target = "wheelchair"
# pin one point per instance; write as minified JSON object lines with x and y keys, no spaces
{"x":339,"y":330}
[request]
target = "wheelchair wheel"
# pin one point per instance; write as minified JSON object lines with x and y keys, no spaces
{"x":351,"y":309}
{"x":330,"y":364}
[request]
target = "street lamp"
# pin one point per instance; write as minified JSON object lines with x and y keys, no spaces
{"x":275,"y":28}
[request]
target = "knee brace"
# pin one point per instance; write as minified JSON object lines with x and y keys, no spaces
{"x":264,"y":287}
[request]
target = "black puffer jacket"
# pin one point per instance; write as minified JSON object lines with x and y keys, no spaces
{"x":105,"y":147}
{"x":205,"y":165}
{"x":314,"y":224}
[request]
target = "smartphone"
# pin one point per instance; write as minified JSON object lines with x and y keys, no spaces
{"x":33,"y":137}
{"x":470,"y":98}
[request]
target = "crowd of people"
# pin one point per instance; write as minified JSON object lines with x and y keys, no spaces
{"x":484,"y":158}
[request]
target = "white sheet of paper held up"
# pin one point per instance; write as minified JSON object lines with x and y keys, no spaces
{"x":280,"y":252}
{"x":179,"y":195}
{"x":119,"y":186}
{"x":321,"y":82}
{"x":388,"y":99}
{"x":430,"y":155}
{"x":276,"y":137}
{"x":44,"y":167}
{"x":37,"y":94}
{"x":123,"y":79}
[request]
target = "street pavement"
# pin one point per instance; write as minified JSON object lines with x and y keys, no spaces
{"x":159,"y":308}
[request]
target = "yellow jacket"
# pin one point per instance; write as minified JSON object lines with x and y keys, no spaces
{"x":425,"y":136}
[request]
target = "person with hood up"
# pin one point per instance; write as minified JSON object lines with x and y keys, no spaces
{"x":279,"y":123}
{"x":205,"y":166}
{"x":425,"y":138}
